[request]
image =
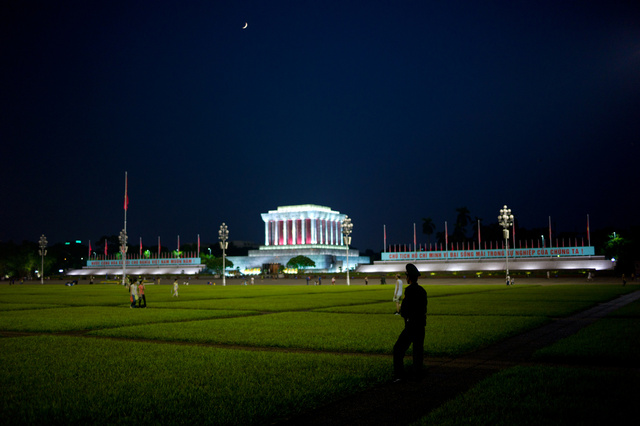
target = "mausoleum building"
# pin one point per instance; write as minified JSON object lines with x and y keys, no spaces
{"x":303,"y":230}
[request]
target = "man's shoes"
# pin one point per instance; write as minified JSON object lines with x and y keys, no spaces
{"x":397,"y":313}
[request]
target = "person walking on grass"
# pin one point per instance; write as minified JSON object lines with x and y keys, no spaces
{"x":141,"y":296}
{"x":175,"y":288}
{"x":397,"y":294}
{"x":414,"y":312}
{"x":133,"y":289}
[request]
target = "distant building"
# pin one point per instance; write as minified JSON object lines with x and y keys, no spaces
{"x":308,"y":230}
{"x":290,"y":231}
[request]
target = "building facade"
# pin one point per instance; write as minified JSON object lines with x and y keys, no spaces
{"x":302,"y":230}
{"x":306,"y":224}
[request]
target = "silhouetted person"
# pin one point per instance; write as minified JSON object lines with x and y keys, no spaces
{"x":414,"y":312}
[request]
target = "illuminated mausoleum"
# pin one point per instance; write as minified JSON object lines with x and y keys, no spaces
{"x":304,"y":230}
{"x":290,"y":231}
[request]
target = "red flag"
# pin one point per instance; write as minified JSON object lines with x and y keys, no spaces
{"x":158,"y":246}
{"x":126,"y":197}
{"x":588,"y":234}
{"x":550,"y":241}
{"x":198,"y":245}
{"x":446,"y":235}
{"x":140,"y":246}
{"x":89,"y":249}
{"x":105,"y":247}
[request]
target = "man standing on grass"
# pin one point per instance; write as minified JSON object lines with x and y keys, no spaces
{"x":414,"y":312}
{"x":133,"y":289}
{"x":141,"y":296}
{"x":397,"y":293}
{"x":175,"y":288}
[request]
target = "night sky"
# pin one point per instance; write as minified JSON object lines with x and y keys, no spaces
{"x":387,"y":111}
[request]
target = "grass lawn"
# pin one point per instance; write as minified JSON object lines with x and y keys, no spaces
{"x":544,"y":396}
{"x":614,"y":340}
{"x":69,"y":380}
{"x":217,"y":362}
{"x":445,"y":336}
{"x":601,"y":390}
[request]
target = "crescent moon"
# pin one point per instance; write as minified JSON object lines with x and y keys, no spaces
{"x":246,"y":24}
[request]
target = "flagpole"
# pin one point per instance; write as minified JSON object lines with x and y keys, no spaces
{"x":384,"y":227}
{"x":446,"y":238}
{"x":414,"y":238}
{"x":124,"y":233}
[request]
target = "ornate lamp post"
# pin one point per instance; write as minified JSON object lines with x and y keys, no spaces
{"x":123,"y":249}
{"x":43,"y":252}
{"x":505,"y":219}
{"x":223,"y":236}
{"x":347,"y":228}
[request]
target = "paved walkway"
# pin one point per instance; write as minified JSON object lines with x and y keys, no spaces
{"x":405,"y":402}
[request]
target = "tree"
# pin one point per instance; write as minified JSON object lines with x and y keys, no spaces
{"x":207,"y":260}
{"x":462,"y":220}
{"x":428,"y":227}
{"x":300,"y":262}
{"x":476,"y":227}
{"x":215,"y":263}
{"x":619,"y":248}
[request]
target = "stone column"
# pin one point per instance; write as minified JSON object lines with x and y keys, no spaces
{"x":266,"y":233}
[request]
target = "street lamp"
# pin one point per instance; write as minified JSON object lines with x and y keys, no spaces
{"x":347,"y":228}
{"x":506,"y":220}
{"x":43,"y":252}
{"x":223,"y":236}
{"x":123,"y":249}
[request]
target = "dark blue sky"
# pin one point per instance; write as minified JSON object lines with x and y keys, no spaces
{"x":388,"y":111}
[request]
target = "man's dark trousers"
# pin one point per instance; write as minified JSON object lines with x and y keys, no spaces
{"x":412,"y":334}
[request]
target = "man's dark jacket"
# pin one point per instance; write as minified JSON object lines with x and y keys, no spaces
{"x":414,"y":306}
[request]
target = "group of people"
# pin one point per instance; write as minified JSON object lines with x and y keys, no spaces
{"x":137,"y":296}
{"x":136,"y":293}
{"x":318,"y":281}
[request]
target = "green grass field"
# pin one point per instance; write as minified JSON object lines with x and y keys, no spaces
{"x":247,"y":355}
